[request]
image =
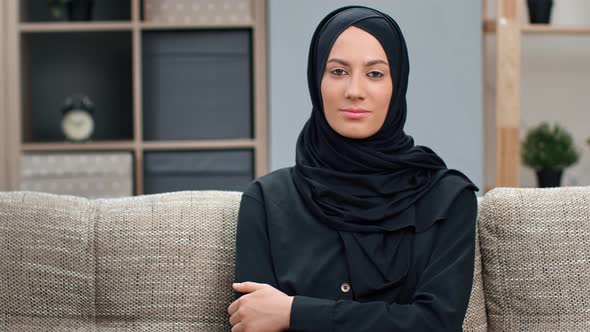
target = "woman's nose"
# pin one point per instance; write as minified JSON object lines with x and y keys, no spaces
{"x":355,"y":88}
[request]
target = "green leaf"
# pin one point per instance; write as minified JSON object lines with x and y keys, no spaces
{"x":546,"y":147}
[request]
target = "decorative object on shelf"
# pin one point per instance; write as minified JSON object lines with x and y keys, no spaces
{"x":91,"y":175}
{"x":198,"y":11}
{"x":548,"y":150}
{"x":75,"y":10}
{"x":77,"y":118}
{"x":540,"y":11}
{"x":56,"y":7}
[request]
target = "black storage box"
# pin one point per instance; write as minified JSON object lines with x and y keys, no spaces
{"x":197,"y":170}
{"x":197,"y":85}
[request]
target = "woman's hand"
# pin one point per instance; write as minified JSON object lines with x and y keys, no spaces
{"x":262,"y":308}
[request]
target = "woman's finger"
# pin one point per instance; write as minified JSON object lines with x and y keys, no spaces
{"x":235,"y":319}
{"x":233,"y":307}
{"x":237,"y":328}
{"x":248,"y":287}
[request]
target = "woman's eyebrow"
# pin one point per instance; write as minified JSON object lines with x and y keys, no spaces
{"x":378,"y":61}
{"x":368,"y":63}
{"x":338,"y":60}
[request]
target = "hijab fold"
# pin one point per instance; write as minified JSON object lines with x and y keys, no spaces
{"x":368,"y":189}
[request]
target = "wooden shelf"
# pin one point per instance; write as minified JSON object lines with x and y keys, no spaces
{"x":557,"y":29}
{"x":146,"y":145}
{"x":201,"y":144}
{"x":167,"y":26}
{"x":76,"y":26}
{"x":502,"y":124}
{"x":120,"y":28}
{"x":87,"y":146}
{"x":489,"y":26}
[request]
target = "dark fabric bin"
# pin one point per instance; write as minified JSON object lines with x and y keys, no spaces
{"x":197,"y":170}
{"x":197,"y":85}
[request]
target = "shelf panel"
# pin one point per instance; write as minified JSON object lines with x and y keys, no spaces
{"x":166,"y":26}
{"x":489,"y":26}
{"x":562,"y":29}
{"x":70,"y":146}
{"x":148,"y":146}
{"x":76,"y":26}
{"x":198,"y":145}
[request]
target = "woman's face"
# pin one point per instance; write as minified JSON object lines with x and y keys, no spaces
{"x":356,"y":84}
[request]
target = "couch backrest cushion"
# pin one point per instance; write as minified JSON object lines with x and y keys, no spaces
{"x":535,"y":246}
{"x":166,"y":261}
{"x":149,"y":263}
{"x":46,"y":262}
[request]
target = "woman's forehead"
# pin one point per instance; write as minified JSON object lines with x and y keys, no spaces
{"x":358,"y":44}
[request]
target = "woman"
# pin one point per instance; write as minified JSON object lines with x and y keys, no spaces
{"x":367,"y":232}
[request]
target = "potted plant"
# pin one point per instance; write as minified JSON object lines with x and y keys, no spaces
{"x":76,"y":10}
{"x":539,"y":11}
{"x":548,"y":150}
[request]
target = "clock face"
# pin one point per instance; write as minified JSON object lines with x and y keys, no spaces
{"x":77,"y":125}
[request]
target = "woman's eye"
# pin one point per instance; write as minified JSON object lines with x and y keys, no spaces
{"x":337,"y":72}
{"x":375,"y":74}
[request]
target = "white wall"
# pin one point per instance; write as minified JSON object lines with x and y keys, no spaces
{"x":444,"y":93}
{"x":555,"y":82}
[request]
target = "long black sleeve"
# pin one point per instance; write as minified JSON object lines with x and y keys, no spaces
{"x":253,"y":258}
{"x":439,"y":302}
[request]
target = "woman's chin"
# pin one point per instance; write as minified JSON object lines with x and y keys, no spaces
{"x":357,"y":131}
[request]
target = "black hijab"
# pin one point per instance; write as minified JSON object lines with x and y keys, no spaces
{"x":369,"y":189}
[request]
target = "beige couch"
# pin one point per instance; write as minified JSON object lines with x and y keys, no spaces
{"x":165,"y":262}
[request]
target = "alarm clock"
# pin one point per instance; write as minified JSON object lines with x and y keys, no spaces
{"x":77,"y":118}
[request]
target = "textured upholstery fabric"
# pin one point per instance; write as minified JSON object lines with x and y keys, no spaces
{"x":149,"y":263}
{"x":166,"y":259}
{"x":85,"y":174}
{"x":166,"y":262}
{"x":47,"y":262}
{"x":476,"y":319}
{"x":198,"y":11}
{"x":535,"y":245}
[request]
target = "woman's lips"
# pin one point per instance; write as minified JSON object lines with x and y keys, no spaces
{"x":354,"y":113}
